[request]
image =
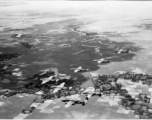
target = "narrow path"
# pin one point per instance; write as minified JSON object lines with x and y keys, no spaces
{"x":79,"y":52}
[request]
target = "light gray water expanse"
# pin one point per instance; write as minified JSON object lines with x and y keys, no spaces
{"x":130,"y":21}
{"x":51,"y":27}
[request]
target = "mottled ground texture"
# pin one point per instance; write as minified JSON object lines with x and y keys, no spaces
{"x":60,"y":50}
{"x":104,"y":107}
{"x":81,"y":51}
{"x":65,"y":35}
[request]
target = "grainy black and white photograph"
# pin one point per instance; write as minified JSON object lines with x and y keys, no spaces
{"x":75,"y":59}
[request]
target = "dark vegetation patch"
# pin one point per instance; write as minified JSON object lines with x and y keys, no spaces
{"x":61,"y":58}
{"x":27,"y":45}
{"x":4,"y":57}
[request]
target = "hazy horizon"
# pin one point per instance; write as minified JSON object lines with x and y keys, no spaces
{"x":124,"y":18}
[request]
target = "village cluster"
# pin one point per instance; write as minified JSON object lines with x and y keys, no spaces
{"x":51,"y":85}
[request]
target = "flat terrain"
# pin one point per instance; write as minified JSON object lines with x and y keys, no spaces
{"x":60,"y":50}
{"x":64,"y":51}
{"x":67,"y":35}
{"x":96,"y":108}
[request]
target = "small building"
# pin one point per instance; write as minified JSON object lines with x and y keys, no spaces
{"x":94,"y":75}
{"x":39,"y":93}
